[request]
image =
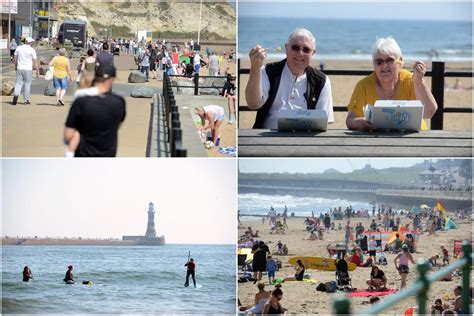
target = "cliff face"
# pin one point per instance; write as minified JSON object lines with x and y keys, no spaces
{"x":166,"y":19}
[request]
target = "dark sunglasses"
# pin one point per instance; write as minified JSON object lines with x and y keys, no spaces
{"x":279,"y":298}
{"x":389,"y":61}
{"x":297,"y":48}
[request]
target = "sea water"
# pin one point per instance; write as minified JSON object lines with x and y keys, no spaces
{"x":126,"y":279}
{"x":353,"y":39}
{"x":256,"y":203}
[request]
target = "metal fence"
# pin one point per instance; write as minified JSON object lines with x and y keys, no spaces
{"x":175,"y":133}
{"x":196,"y":86}
{"x":341,"y":305}
{"x":437,"y":74}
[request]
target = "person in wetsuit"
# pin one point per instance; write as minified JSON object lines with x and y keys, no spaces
{"x":69,"y":276}
{"x":27,"y":275}
{"x":190,"y":272}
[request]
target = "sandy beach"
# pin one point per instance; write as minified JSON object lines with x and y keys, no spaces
{"x":302,"y":297}
{"x":342,"y":87}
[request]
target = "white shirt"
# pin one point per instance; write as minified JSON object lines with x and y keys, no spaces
{"x":291,"y":96}
{"x":216,"y":110}
{"x":25,"y":55}
{"x":197,"y":59}
{"x":372,"y":245}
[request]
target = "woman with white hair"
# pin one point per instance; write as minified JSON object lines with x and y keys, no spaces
{"x":62,"y":70}
{"x":389,"y":82}
{"x":212,"y":117}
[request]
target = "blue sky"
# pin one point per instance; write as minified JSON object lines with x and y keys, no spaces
{"x":319,"y":165}
{"x":400,"y":10}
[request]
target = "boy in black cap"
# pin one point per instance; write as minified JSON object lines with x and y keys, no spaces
{"x":97,"y":118}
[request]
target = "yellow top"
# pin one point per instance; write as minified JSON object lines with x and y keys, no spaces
{"x":365,"y":92}
{"x":60,"y":66}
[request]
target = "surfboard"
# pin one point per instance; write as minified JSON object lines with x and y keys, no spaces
{"x":191,"y":286}
{"x":320,"y":263}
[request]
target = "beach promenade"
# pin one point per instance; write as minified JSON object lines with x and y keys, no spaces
{"x":36,"y":130}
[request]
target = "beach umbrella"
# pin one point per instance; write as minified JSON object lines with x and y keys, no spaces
{"x":424,"y":206}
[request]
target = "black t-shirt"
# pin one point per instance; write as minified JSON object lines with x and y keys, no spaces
{"x":105,"y":58}
{"x":261,"y":254}
{"x":379,"y":275}
{"x":97,"y":118}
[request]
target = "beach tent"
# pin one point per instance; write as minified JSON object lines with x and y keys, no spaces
{"x":184,"y":58}
{"x":415,"y":210}
{"x":450,"y":224}
{"x":393,"y":236}
{"x":384,"y":237}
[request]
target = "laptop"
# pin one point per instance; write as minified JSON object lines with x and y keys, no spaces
{"x":395,"y":115}
{"x":302,"y":120}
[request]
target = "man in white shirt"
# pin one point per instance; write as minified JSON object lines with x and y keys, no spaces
{"x":290,"y":84}
{"x":24,"y":60}
{"x":197,"y":62}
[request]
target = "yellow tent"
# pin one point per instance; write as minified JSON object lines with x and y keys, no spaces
{"x":393,"y":235}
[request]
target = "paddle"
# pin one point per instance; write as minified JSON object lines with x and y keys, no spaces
{"x":186,"y":284}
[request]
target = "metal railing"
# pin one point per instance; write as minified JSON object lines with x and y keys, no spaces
{"x":196,"y":86}
{"x":341,"y":305}
{"x":175,"y":133}
{"x":437,"y":74}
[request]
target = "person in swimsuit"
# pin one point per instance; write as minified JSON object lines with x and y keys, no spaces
{"x":402,"y":267}
{"x":299,"y":274}
{"x":27,"y":275}
{"x":273,"y":306}
{"x":190,"y":272}
{"x":89,"y":64}
{"x":69,"y":276}
{"x":261,"y":298}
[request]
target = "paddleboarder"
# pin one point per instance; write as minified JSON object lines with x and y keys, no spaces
{"x":190,"y":272}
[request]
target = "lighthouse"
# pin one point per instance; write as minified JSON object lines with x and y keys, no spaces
{"x":150,"y":228}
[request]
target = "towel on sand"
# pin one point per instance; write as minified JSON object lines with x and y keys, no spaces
{"x":361,"y":293}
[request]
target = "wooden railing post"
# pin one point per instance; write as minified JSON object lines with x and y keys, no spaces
{"x":466,"y":277}
{"x":422,"y":296}
{"x":437,"y":89}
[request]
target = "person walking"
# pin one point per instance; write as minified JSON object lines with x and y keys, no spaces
{"x":97,"y":118}
{"x":145,"y":63}
{"x":25,"y":60}
{"x":402,"y":267}
{"x":13,"y":46}
{"x":61,"y":75}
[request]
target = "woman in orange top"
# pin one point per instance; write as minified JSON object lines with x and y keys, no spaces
{"x":389,"y":82}
{"x":62,"y":70}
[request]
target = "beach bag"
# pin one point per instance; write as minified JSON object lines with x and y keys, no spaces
{"x":49,"y":74}
{"x":321,"y":287}
{"x":331,"y":286}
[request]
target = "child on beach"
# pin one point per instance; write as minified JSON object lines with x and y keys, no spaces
{"x":437,"y":308}
{"x":445,"y":255}
{"x":271,"y":268}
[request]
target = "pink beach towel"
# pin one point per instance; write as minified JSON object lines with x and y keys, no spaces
{"x":361,"y":293}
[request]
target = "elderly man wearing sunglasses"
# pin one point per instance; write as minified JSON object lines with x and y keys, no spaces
{"x":287,"y":84}
{"x":389,"y":82}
